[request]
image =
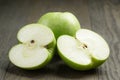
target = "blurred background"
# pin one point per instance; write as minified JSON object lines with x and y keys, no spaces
{"x":101,"y":16}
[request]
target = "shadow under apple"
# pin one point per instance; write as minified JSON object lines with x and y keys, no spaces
{"x":56,"y":68}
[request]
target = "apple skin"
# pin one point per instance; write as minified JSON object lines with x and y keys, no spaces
{"x":61,"y":23}
{"x":50,"y":47}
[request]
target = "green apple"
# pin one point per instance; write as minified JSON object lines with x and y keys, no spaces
{"x":36,"y":47}
{"x":85,"y":51}
{"x":60,"y":23}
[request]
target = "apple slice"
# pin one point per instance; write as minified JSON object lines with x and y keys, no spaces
{"x":86,"y":51}
{"x":36,"y":48}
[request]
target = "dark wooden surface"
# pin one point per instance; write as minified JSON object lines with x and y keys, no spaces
{"x":101,"y":16}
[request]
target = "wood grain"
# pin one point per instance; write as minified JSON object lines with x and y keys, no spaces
{"x":101,"y":16}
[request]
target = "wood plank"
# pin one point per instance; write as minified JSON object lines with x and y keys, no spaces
{"x":111,"y":12}
{"x":103,"y":23}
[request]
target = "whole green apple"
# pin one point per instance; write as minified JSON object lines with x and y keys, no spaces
{"x":36,"y":47}
{"x":61,"y":23}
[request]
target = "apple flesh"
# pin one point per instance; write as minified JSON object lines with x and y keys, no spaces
{"x":86,"y":51}
{"x":61,"y":23}
{"x":36,"y":47}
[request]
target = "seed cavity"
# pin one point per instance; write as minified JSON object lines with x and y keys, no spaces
{"x":84,"y":46}
{"x":81,"y":44}
{"x":32,"y":41}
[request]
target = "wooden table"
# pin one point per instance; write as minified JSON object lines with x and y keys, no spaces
{"x":101,"y":16}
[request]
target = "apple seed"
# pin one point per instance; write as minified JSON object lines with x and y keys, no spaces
{"x":32,"y":41}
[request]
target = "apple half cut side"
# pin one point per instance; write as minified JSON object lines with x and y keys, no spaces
{"x":36,"y":47}
{"x":86,"y":51}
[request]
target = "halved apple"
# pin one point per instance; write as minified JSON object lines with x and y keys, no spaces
{"x":36,"y":47}
{"x":86,"y":51}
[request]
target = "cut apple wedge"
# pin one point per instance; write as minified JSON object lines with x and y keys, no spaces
{"x":86,"y":51}
{"x":36,"y":48}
